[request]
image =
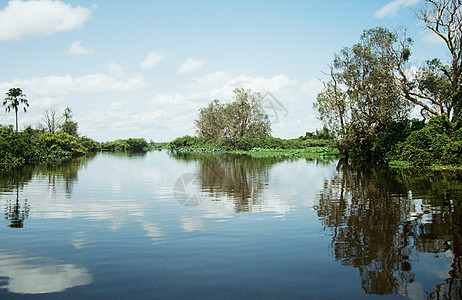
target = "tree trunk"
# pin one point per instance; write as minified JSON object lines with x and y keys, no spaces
{"x":16,"y":111}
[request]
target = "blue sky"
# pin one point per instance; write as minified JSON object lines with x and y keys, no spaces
{"x":144,"y":68}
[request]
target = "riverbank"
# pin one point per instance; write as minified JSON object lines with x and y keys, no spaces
{"x":309,"y":152}
{"x":400,"y":164}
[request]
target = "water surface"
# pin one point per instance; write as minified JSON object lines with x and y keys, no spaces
{"x":162,"y":226}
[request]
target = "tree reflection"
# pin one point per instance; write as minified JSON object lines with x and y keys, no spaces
{"x":15,"y":213}
{"x":441,"y":193}
{"x":369,"y":228}
{"x":12,"y":180}
{"x":63,"y":172}
{"x":240,"y":178}
{"x":375,"y":227}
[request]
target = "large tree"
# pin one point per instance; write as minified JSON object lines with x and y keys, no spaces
{"x":332,"y":106}
{"x":444,"y":18}
{"x":362,"y":96}
{"x":211,"y":122}
{"x":14,"y":98}
{"x":244,"y":115}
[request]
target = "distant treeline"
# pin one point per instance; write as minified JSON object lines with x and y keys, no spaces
{"x":131,"y":144}
{"x":247,"y":142}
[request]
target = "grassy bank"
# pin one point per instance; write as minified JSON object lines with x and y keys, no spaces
{"x":257,"y":146}
{"x":402,"y":164}
{"x":309,"y":152}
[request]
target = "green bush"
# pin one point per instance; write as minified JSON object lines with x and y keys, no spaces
{"x":417,"y":156}
{"x":130,"y":145}
{"x":246,"y":142}
{"x":33,"y":146}
{"x":384,"y":146}
{"x":90,"y":144}
{"x":427,"y":145}
{"x":61,"y":144}
{"x":440,"y":125}
{"x":452,"y":153}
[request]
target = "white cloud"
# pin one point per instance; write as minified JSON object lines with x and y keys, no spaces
{"x":116,"y":70}
{"x":165,"y":99}
{"x":118,"y":105}
{"x":152,"y":60}
{"x":431,"y":38}
{"x":220,"y":85}
{"x":311,"y":88}
{"x":52,"y":89}
{"x":261,"y":84}
{"x":392,"y":8}
{"x":49,"y":277}
{"x":20,"y":18}
{"x":190,"y":66}
{"x":77,"y":49}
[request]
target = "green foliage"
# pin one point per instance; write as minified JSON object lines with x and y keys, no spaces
{"x":452,"y":153}
{"x":90,"y":144}
{"x":436,"y":143}
{"x":440,"y":125}
{"x":363,"y":96}
{"x":245,"y":143}
{"x":63,"y":144}
{"x":69,"y":126}
{"x":33,"y":146}
{"x":320,"y":134}
{"x":394,"y":133}
{"x":128,"y":145}
{"x":242,"y":116}
{"x":20,"y":147}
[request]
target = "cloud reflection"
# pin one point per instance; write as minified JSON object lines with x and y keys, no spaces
{"x":38,"y":276}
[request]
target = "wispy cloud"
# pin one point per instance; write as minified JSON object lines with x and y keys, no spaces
{"x":58,"y":87}
{"x":190,"y":66}
{"x":392,"y":8}
{"x":431,"y":38}
{"x":21,"y":18}
{"x":77,"y":49}
{"x":116,"y":70}
{"x":152,"y":60}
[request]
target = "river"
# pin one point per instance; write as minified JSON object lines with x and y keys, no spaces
{"x":165,"y":226}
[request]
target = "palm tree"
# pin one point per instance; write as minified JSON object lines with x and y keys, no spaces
{"x":15,"y":96}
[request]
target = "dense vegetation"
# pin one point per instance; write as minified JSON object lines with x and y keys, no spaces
{"x":131,"y":144}
{"x":245,"y":143}
{"x":241,"y":125}
{"x":234,"y":120}
{"x":439,"y":142}
{"x":372,"y":89}
{"x":33,"y":146}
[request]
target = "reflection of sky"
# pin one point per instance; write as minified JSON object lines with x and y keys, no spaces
{"x":118,"y":192}
{"x":116,"y":188}
{"x":436,"y":267}
{"x":38,"y":276}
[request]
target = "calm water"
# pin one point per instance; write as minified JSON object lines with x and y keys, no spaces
{"x":223,"y":227}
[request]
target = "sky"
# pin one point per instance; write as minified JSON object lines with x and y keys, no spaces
{"x":144,"y":68}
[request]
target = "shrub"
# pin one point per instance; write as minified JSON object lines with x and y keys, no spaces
{"x":33,"y":146}
{"x":425,"y":146}
{"x":440,"y":125}
{"x":383,"y":145}
{"x":452,"y":153}
{"x":131,"y":145}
